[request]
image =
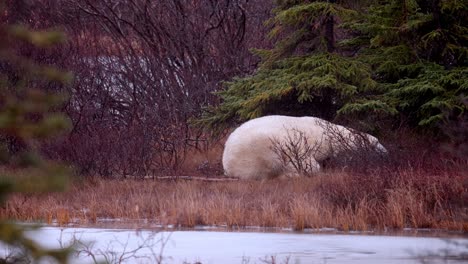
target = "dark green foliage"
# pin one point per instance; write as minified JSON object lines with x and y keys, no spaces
{"x":433,"y":30}
{"x":26,"y":116}
{"x":301,"y":85}
{"x":418,"y":53}
{"x":302,"y":28}
{"x":301,"y":75}
{"x":429,"y":98}
{"x":404,"y":62}
{"x":432,"y":95}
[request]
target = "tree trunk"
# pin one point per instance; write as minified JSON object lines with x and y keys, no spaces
{"x":330,"y":31}
{"x":437,"y":48}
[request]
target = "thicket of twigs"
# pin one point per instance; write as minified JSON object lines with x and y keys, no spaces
{"x":143,"y":70}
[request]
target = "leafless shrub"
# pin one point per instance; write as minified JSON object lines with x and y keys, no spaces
{"x":146,"y":74}
{"x":13,"y":255}
{"x":297,"y":151}
{"x":455,"y":252}
{"x":338,"y":147}
{"x":352,"y":150}
{"x":124,"y":254}
{"x":143,"y":69}
{"x":274,"y":260}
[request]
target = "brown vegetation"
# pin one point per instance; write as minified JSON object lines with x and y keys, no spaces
{"x":416,"y":185}
{"x":384,"y":200}
{"x":143,"y":70}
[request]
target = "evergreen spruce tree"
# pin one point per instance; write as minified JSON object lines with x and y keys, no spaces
{"x":418,"y":54}
{"x":26,"y":116}
{"x":306,"y":73}
{"x":398,"y":60}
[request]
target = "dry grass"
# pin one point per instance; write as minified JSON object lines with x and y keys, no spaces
{"x":346,"y":201}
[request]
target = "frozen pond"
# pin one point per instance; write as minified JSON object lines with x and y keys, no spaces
{"x":252,"y":247}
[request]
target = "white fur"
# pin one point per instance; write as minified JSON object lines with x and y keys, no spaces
{"x":249,"y":152}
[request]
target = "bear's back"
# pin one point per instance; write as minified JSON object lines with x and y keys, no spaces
{"x":248,"y":150}
{"x":278,"y":123}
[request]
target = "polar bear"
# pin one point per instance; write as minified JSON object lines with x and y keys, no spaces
{"x":257,"y":149}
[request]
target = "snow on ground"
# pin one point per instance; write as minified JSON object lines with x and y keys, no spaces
{"x":206,"y":247}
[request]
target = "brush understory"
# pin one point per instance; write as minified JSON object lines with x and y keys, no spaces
{"x":382,"y":200}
